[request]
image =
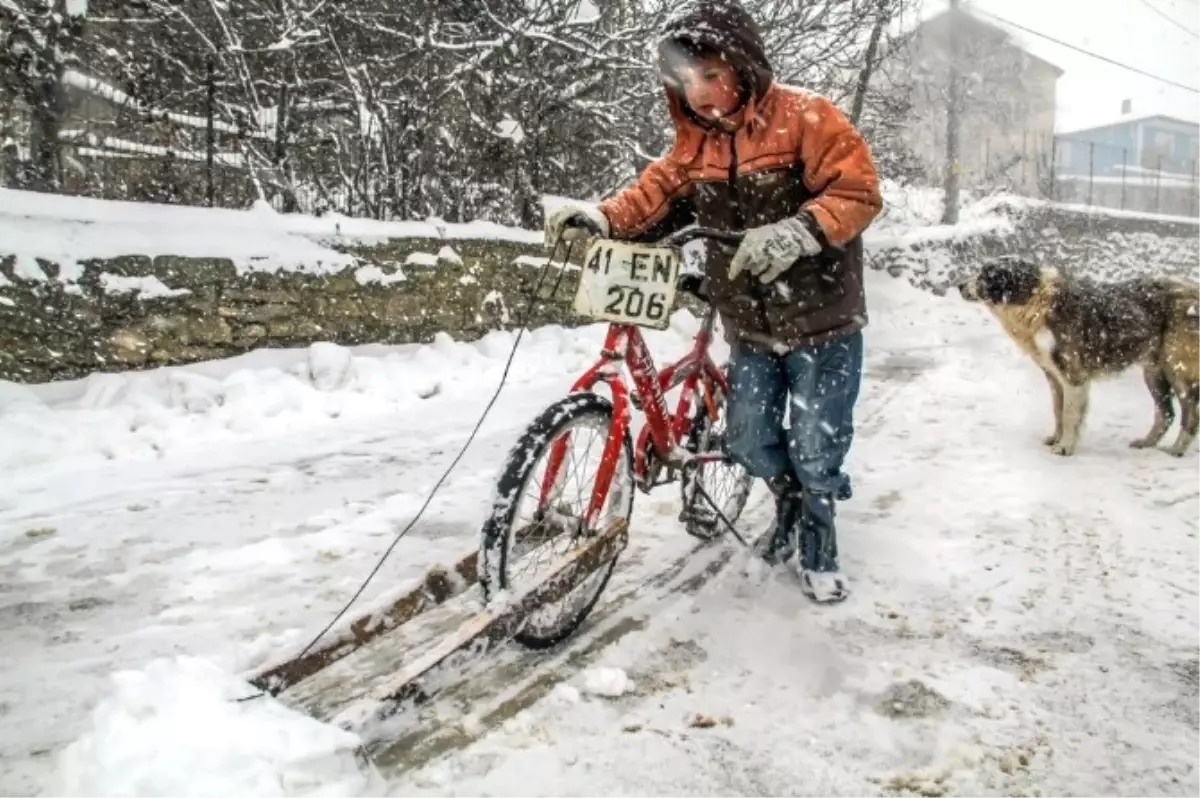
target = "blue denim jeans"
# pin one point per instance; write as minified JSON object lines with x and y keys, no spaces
{"x":818,"y":387}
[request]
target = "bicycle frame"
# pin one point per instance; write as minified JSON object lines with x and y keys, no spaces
{"x":625,"y":344}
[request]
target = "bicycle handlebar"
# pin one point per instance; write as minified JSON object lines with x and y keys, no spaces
{"x":675,"y":239}
{"x":688,"y":283}
{"x":711,"y":233}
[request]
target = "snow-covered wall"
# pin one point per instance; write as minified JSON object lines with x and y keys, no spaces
{"x":1102,"y":245}
{"x":135,"y":311}
{"x":88,"y":285}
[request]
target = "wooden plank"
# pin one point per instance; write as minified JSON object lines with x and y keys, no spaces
{"x":415,"y":683}
{"x":437,"y":588}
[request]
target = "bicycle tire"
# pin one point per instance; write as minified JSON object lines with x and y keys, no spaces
{"x":496,"y":535}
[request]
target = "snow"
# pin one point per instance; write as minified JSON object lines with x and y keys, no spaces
{"x":1014,"y":618}
{"x":69,"y":230}
{"x":365,"y":275}
{"x":585,"y":13}
{"x":448,"y":254}
{"x":1043,"y":629}
{"x":176,"y":727}
{"x":146,"y":287}
{"x":421,"y":259}
{"x":606,"y":682}
{"x":509,"y":128}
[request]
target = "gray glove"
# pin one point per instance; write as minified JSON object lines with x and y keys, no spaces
{"x":556,"y":223}
{"x":770,"y":250}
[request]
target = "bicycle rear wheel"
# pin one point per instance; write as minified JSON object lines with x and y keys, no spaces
{"x":524,"y":535}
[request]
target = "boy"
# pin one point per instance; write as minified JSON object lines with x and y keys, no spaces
{"x":789,"y":169}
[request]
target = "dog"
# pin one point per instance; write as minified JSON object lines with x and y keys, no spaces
{"x":1079,"y":331}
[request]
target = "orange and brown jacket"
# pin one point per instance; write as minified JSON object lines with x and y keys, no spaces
{"x":795,"y":152}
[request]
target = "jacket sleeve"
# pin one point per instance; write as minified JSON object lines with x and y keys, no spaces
{"x":656,"y":205}
{"x":839,"y":170}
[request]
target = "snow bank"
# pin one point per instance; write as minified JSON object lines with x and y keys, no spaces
{"x":176,"y":728}
{"x":273,"y":392}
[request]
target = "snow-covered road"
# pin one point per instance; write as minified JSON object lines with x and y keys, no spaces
{"x":1020,"y":622}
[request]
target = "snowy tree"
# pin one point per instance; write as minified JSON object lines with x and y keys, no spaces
{"x":1006,"y":100}
{"x":38,"y":42}
{"x":452,"y":108}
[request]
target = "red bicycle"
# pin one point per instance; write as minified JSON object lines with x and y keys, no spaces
{"x":630,"y":286}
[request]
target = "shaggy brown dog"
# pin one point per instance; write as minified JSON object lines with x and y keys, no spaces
{"x":1078,"y":331}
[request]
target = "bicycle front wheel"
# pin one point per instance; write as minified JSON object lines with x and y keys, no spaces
{"x":725,"y":483}
{"x":538,"y":515}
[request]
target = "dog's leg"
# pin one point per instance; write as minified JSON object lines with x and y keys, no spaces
{"x":1189,"y":400}
{"x":1056,"y":398}
{"x":1164,"y":409}
{"x":1075,"y":406}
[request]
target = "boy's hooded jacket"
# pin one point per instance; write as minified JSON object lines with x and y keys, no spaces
{"x":794,"y":152}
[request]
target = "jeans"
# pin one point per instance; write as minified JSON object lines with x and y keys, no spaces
{"x":822,"y":383}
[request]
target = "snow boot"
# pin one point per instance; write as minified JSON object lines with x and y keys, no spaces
{"x":824,"y":587}
{"x":778,"y":543}
{"x":820,"y":578}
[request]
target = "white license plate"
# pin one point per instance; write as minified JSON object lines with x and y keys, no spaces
{"x":628,"y":283}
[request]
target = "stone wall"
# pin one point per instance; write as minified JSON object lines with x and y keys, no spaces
{"x":51,"y":331}
{"x":404,"y":291}
{"x":1097,"y":245}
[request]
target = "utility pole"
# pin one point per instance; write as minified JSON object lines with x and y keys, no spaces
{"x":953,"y":120}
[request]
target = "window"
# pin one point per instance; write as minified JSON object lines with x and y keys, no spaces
{"x":1158,"y":148}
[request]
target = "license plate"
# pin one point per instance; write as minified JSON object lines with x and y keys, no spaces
{"x":628,"y":283}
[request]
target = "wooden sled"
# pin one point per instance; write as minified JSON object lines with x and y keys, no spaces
{"x":414,"y":683}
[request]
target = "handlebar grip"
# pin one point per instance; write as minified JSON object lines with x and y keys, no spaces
{"x":584,"y":223}
{"x":693,"y":284}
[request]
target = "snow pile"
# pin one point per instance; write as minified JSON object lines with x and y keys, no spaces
{"x":606,"y":682}
{"x":271,"y":392}
{"x":177,"y":728}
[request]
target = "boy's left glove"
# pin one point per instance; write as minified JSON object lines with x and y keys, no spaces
{"x":557,"y":223}
{"x":770,"y":250}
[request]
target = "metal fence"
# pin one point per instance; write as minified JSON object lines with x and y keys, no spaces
{"x":1153,"y":180}
{"x":1070,"y":170}
{"x":114,"y":145}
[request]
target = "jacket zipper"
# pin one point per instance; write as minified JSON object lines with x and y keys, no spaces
{"x":734,"y":200}
{"x":739,"y":223}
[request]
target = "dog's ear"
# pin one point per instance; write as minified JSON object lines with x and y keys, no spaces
{"x":1011,"y":282}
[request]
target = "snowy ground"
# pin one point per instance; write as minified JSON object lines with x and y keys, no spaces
{"x":1020,"y":622}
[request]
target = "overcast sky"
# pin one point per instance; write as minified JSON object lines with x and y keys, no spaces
{"x":1129,"y":31}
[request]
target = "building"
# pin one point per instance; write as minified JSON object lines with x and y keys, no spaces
{"x":1146,"y":163}
{"x":1007,"y":120}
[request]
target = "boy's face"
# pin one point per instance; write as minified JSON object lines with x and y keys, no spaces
{"x":710,"y":86}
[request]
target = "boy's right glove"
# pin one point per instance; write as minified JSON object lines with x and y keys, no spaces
{"x":770,"y":250}
{"x":556,"y":223}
